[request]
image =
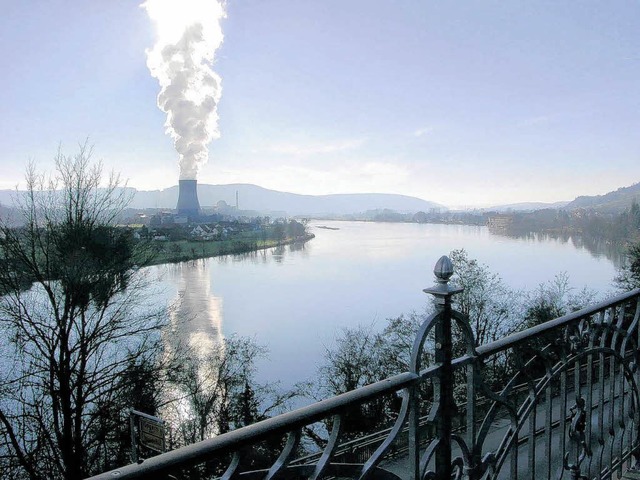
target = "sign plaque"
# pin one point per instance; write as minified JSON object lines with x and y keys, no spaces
{"x":151,"y":434}
{"x":146,"y":431}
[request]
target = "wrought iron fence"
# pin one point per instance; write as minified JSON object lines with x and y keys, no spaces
{"x":558,"y":400}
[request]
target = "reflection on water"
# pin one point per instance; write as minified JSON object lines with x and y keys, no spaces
{"x":293,"y":299}
{"x":263,"y":256}
{"x":195,"y":336}
{"x":196,"y":316}
{"x":596,"y":246}
{"x":196,"y":313}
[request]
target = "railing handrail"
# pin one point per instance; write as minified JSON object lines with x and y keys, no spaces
{"x":259,"y":431}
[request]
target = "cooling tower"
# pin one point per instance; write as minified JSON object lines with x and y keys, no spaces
{"x":188,"y":198}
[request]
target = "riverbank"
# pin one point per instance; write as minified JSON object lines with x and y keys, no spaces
{"x":185,"y":250}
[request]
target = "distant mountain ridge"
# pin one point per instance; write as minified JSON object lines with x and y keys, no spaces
{"x":611,"y":202}
{"x":253,"y":197}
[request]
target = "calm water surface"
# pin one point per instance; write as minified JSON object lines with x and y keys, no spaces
{"x":294,"y":299}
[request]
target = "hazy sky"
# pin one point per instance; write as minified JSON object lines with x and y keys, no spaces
{"x":462,"y":103}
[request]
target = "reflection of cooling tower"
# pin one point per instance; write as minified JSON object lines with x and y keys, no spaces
{"x":188,"y":198}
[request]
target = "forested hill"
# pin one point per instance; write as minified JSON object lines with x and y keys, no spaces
{"x":612,"y":202}
{"x":253,"y":197}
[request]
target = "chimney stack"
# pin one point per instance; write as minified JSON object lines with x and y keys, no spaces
{"x":188,"y":198}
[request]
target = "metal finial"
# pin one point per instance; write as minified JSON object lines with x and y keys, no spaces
{"x":443,"y":269}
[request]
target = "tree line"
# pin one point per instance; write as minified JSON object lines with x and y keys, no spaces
{"x":622,"y":227}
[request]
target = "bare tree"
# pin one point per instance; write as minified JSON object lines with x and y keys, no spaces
{"x":204,"y":389}
{"x":553,"y":299}
{"x":628,"y":276}
{"x":353,"y":361}
{"x":486,"y":300}
{"x":360,"y":356}
{"x":74,"y":333}
{"x":211,"y":393}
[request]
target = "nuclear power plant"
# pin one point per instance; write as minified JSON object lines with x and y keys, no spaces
{"x":188,"y":203}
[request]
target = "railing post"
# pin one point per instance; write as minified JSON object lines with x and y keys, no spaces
{"x":443,"y":385}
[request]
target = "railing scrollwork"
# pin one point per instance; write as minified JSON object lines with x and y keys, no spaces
{"x":559,"y":400}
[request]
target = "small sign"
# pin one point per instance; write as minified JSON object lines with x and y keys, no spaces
{"x":151,"y":434}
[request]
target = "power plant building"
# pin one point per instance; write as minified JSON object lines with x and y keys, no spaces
{"x":188,"y":203}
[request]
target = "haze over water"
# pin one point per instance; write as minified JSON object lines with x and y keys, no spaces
{"x":294,"y":299}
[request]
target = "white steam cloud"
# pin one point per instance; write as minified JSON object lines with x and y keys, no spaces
{"x":189,"y":33}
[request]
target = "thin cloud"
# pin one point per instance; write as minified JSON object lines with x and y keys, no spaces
{"x":420,"y":132}
{"x":392,"y":171}
{"x":374,"y":176}
{"x":315,"y":148}
{"x":539,"y":120}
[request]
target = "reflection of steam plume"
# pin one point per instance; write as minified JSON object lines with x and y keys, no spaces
{"x":197,"y":320}
{"x":189,"y":33}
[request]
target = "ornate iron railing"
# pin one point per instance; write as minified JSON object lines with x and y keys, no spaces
{"x":558,"y":400}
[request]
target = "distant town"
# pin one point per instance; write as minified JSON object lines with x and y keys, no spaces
{"x":222,"y":230}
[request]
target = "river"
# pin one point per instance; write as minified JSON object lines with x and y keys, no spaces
{"x":294,"y":299}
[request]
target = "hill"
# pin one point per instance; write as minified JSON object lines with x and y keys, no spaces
{"x":526,"y":206}
{"x":612,"y":202}
{"x":253,"y":197}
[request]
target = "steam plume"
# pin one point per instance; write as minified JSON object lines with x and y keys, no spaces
{"x":189,"y":33}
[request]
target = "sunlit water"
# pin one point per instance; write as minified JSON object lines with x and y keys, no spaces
{"x":294,"y":299}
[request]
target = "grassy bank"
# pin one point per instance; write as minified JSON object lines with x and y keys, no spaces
{"x":184,"y":250}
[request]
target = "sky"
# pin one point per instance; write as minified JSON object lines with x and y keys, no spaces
{"x":472,"y":103}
